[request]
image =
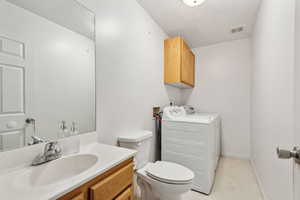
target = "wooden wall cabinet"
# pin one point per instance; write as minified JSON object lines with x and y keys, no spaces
{"x":179,"y":66}
{"x":115,"y":184}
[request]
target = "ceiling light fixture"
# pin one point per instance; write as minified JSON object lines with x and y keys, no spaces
{"x":193,"y":3}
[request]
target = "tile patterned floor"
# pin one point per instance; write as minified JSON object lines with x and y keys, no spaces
{"x":235,"y":180}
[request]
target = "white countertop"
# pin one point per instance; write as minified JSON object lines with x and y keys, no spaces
{"x":14,"y":188}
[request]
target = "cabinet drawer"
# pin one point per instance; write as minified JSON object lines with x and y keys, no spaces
{"x":126,"y":195}
{"x":110,"y":187}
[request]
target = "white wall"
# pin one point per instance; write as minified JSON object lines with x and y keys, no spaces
{"x":273,"y":96}
{"x":223,"y":86}
{"x":129,"y":68}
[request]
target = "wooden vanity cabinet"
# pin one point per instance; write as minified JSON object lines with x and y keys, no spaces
{"x":115,"y":184}
{"x":179,"y":63}
{"x":78,"y":197}
{"x":126,"y":195}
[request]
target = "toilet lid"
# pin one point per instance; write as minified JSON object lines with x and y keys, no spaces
{"x":170,"y":172}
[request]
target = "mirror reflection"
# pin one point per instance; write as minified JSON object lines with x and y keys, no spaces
{"x":47,"y":71}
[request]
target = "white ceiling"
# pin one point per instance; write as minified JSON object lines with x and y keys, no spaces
{"x":68,"y":13}
{"x":207,"y":24}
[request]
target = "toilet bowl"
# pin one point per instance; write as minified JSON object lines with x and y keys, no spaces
{"x":160,"y":180}
{"x":164,"y":181}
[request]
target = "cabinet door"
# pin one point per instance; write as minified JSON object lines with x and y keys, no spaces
{"x":126,"y":195}
{"x":73,"y":196}
{"x":78,"y":197}
{"x":187,"y":65}
{"x":172,"y":60}
{"x":111,"y":186}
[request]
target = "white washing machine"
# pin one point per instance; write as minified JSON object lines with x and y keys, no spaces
{"x":192,"y":140}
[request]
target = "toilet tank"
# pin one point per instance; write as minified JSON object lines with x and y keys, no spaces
{"x":139,"y":141}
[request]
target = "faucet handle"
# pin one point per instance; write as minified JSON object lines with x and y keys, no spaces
{"x":52,"y":148}
{"x":52,"y":151}
{"x":51,"y":145}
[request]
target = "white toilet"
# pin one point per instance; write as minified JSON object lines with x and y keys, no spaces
{"x":160,"y":180}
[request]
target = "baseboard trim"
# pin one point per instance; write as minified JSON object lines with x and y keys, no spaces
{"x":261,"y":188}
{"x":242,"y":157}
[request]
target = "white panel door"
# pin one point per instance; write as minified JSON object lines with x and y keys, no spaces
{"x":13,"y":72}
{"x":296,"y":167}
{"x":297,"y":175}
{"x":12,"y":89}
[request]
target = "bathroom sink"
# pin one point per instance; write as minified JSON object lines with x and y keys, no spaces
{"x":61,"y":169}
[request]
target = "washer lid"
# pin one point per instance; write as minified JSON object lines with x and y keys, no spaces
{"x":173,"y":115}
{"x":170,"y":172}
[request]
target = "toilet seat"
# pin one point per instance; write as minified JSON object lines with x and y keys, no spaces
{"x":170,"y":173}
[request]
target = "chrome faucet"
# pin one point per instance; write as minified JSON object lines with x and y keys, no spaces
{"x":52,"y":151}
{"x":35,"y":140}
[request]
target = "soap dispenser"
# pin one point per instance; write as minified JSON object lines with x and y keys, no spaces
{"x":74,"y":130}
{"x":63,"y":129}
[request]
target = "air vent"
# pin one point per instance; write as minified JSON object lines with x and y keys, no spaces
{"x":237,"y":29}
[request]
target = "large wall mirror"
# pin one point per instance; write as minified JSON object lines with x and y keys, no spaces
{"x":47,"y":71}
